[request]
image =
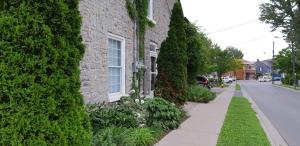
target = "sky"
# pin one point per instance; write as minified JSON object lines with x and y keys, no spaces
{"x":235,"y":23}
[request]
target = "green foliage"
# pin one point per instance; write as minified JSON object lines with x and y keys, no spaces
{"x":283,"y":61}
{"x":106,"y":116}
{"x":195,"y":52}
{"x":142,"y":137}
{"x":238,"y":87}
{"x":235,"y":52}
{"x":282,"y":15}
{"x":241,"y":126}
{"x":200,"y":94}
{"x":113,"y":136}
{"x":162,"y":114}
{"x":224,"y":61}
{"x":40,"y":51}
{"x":172,"y":77}
{"x":137,"y":10}
{"x":120,"y":136}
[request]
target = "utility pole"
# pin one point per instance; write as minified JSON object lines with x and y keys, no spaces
{"x":294,"y":65}
{"x":273,"y":63}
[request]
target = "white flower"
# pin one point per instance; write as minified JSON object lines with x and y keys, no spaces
{"x":137,"y":100}
{"x":142,"y":101}
{"x":138,"y":115}
{"x":132,"y":91}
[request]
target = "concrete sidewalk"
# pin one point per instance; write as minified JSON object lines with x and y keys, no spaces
{"x":203,"y":126}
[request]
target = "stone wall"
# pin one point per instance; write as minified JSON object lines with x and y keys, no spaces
{"x":101,"y":17}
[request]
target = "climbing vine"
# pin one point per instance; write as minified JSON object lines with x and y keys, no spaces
{"x":137,"y":10}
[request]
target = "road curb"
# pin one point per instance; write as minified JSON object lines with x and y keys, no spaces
{"x":273,"y":135}
{"x":291,"y":89}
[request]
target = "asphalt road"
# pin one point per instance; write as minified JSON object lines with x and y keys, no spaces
{"x":281,"y":106}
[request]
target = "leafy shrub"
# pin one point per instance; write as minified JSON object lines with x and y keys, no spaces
{"x":113,"y":136}
{"x":121,"y":136}
{"x":40,"y":51}
{"x":142,"y":137}
{"x":200,"y":94}
{"x":106,"y":116}
{"x":162,"y":114}
{"x":136,"y":106}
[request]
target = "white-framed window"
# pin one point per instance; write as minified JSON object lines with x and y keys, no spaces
{"x":150,"y":10}
{"x":116,"y":67}
{"x":153,"y":66}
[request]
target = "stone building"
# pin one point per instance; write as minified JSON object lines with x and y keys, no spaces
{"x":109,"y":35}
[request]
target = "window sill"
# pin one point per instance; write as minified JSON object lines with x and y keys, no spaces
{"x":115,"y":96}
{"x":151,"y":20}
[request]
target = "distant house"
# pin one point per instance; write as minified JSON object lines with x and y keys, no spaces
{"x":110,"y":57}
{"x":248,"y":72}
{"x":264,"y":67}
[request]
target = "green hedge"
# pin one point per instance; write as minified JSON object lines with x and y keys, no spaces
{"x":200,"y":94}
{"x":40,"y":50}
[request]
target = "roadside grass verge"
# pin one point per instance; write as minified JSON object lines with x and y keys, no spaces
{"x":238,"y":87}
{"x":241,"y":126}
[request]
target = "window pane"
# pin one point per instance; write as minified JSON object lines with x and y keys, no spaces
{"x":153,"y":78}
{"x":114,"y":79}
{"x":114,"y":53}
{"x":152,"y":48}
{"x":114,"y":66}
{"x":153,"y":64}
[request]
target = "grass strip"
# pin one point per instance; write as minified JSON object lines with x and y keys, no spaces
{"x":238,"y":87}
{"x":241,"y":126}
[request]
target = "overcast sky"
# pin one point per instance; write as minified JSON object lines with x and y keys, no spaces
{"x":235,"y":23}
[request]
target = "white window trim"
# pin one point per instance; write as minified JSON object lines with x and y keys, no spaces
{"x":151,"y":9}
{"x":153,"y":54}
{"x":112,"y":97}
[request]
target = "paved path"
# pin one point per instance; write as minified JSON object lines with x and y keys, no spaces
{"x":281,"y":106}
{"x":203,"y":126}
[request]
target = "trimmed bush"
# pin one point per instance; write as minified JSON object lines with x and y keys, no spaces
{"x":162,"y":114}
{"x":172,"y":77}
{"x":40,"y":51}
{"x":200,"y":94}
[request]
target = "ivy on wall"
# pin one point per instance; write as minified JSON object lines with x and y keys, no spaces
{"x":137,"y":10}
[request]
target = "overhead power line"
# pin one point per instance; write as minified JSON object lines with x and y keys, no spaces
{"x":251,"y":40}
{"x":234,"y":26}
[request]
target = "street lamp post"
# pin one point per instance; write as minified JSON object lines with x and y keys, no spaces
{"x":273,"y":63}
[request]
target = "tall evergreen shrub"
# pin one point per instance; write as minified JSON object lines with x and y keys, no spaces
{"x":172,"y":61}
{"x":40,"y":50}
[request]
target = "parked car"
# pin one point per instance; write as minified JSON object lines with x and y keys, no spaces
{"x":265,"y":79}
{"x":202,"y":80}
{"x":276,"y":78}
{"x":227,"y":80}
{"x":261,"y":79}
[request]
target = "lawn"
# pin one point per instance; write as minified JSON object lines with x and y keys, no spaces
{"x":241,"y":126}
{"x":238,"y":87}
